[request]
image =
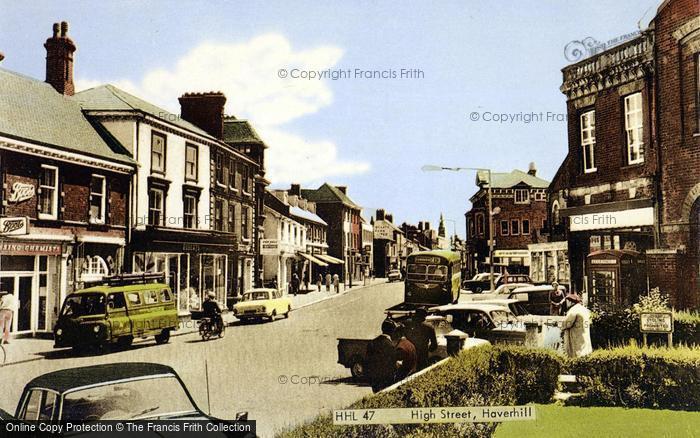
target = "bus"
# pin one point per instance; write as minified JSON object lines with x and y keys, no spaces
{"x":433,"y":277}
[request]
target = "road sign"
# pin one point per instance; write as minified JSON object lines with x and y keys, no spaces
{"x":656,"y":322}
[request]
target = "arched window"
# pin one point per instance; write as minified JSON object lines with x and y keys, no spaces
{"x":480,"y":223}
{"x":556,"y":220}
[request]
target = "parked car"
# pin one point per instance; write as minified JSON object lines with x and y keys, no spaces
{"x":394,"y":275}
{"x":495,"y":323}
{"x":535,"y":299}
{"x":513,"y":305}
{"x":262,"y":303}
{"x":482,"y":282}
{"x":116,"y":391}
{"x":352,"y":352}
{"x":116,"y":313}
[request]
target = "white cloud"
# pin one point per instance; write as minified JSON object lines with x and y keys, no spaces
{"x":247,"y":73}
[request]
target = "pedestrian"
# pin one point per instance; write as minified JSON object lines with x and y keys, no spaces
{"x":576,"y":328}
{"x":306,"y":281}
{"x":556,"y":300}
{"x":319,"y":282}
{"x":8,"y":306}
{"x":571,"y":298}
{"x":422,"y":336}
{"x":381,"y":358}
{"x":406,"y":355}
{"x":336,"y":283}
{"x":328,"y":281}
{"x":295,"y":284}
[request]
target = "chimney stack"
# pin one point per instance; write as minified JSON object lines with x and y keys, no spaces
{"x":532,"y":169}
{"x":204,"y":110}
{"x":343,"y":189}
{"x":295,"y":189}
{"x":59,"y":60}
{"x":389,"y":217}
{"x":380,"y":214}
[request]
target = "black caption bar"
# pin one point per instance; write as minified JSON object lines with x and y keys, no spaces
{"x":128,"y":428}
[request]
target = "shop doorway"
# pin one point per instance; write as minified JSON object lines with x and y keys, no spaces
{"x":20,"y":285}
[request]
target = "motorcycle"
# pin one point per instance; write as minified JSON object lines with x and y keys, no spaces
{"x":207,"y":329}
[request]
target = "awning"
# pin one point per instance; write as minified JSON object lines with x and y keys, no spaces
{"x":312,"y":259}
{"x":330,"y":259}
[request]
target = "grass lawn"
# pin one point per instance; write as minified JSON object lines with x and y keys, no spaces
{"x":559,"y":421}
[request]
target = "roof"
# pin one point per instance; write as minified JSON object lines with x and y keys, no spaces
{"x":512,"y":179}
{"x":470,"y":306}
{"x":240,"y":131}
{"x":304,"y":214}
{"x":110,"y":98}
{"x":71,"y":378}
{"x":450,"y":255}
{"x":327,"y":194}
{"x":33,"y":111}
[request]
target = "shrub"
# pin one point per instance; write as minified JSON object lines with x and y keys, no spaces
{"x":614,"y":329}
{"x":640,"y":377}
{"x":482,"y":376}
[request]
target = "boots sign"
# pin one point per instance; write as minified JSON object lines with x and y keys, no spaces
{"x":13,"y":226}
{"x":21,"y":192}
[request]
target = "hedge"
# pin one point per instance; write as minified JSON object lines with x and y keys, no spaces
{"x":613,"y":329}
{"x":482,"y":376}
{"x":637,"y":377}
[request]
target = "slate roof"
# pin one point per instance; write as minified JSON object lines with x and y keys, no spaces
{"x":304,"y":214}
{"x":327,"y":194}
{"x":33,"y":111}
{"x":512,"y":179}
{"x":240,"y":131}
{"x":110,"y":98}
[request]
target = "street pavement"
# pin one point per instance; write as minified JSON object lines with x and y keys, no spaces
{"x":282,"y":373}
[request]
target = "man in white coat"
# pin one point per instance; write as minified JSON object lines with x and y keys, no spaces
{"x":576,"y":328}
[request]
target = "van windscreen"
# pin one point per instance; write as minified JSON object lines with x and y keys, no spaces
{"x":84,"y":305}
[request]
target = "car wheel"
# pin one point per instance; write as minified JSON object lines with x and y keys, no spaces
{"x":125,"y":342}
{"x":289,"y":309}
{"x":273,"y":315}
{"x":357,"y":368}
{"x":478,"y":290}
{"x":163,"y":337}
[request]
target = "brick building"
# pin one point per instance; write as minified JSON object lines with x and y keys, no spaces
{"x":521,"y":198}
{"x":628,"y":187}
{"x":64,"y":193}
{"x":388,"y":243}
{"x":344,"y":228}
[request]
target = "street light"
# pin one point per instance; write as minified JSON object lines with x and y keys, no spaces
{"x":492,"y":212}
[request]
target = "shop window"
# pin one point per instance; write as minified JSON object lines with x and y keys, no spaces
{"x":158,"y":150}
{"x":98,"y":195}
{"x":588,"y":141}
{"x":48,"y":192}
{"x":156,"y":206}
{"x":634,"y":127}
{"x":191,"y":162}
{"x":94,"y":268}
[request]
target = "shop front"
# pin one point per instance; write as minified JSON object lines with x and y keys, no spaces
{"x":549,"y":262}
{"x":194,"y":265}
{"x":516,"y":261}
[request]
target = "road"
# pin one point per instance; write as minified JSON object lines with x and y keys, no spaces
{"x":272,"y":370}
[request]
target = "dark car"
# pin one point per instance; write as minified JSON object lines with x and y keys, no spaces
{"x":535,"y":299}
{"x":482,"y":282}
{"x":117,"y":391}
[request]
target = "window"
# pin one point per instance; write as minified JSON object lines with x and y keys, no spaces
{"x":540,"y":196}
{"x":116,"y":301}
{"x":588,"y":141}
{"x":697,"y":89}
{"x":232,"y":218}
{"x":191,"y":162}
{"x":245,"y":223}
{"x":150,"y":297}
{"x":133,"y":298}
{"x":232,"y":174}
{"x":514,"y":227}
{"x":471,"y":227}
{"x":526,"y":226}
{"x":165,"y":296}
{"x":219,"y":215}
{"x":157,"y":152}
{"x":220,"y":169}
{"x":555,"y":213}
{"x":245,"y":179}
{"x":98,"y":188}
{"x":189,"y":211}
{"x":634,"y":126}
{"x":155,"y":207}
{"x":480,"y":224}
{"x":504,"y":228}
{"x":522,"y":196}
{"x":48,"y":192}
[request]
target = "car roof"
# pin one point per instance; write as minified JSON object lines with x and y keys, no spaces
{"x":519,"y":285}
{"x":471,"y":306}
{"x":121,"y":288}
{"x":71,"y":378}
{"x":500,"y":301}
{"x":540,"y":288}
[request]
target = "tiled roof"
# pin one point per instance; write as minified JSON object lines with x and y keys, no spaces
{"x":304,"y":214}
{"x":240,"y":131}
{"x":512,"y":179}
{"x":32,"y":110}
{"x":110,"y":98}
{"x":327,"y":194}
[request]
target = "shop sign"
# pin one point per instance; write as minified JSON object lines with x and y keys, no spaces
{"x":14,"y":226}
{"x":656,"y":322}
{"x":603,"y":261}
{"x":21,"y":192}
{"x":383,"y":231}
{"x":30,"y":248}
{"x":269,"y":246}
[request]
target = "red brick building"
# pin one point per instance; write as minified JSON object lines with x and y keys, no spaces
{"x":521,"y":198}
{"x":627,"y":191}
{"x":64,"y":193}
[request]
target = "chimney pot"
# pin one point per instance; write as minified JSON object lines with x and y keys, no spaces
{"x":56,"y":30}
{"x":59,"y":60}
{"x":64,"y":29}
{"x":532,"y":169}
{"x":204,"y":110}
{"x":295,"y":189}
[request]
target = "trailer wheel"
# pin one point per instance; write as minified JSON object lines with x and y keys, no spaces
{"x":357,"y":368}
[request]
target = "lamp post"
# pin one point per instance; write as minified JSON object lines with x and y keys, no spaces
{"x":434,"y":168}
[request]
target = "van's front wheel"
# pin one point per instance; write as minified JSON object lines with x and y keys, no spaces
{"x":125,"y":342}
{"x":163,"y":337}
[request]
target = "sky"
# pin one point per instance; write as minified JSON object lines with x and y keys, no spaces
{"x":322,"y":81}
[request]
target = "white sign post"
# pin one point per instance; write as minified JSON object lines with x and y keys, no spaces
{"x":656,"y":322}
